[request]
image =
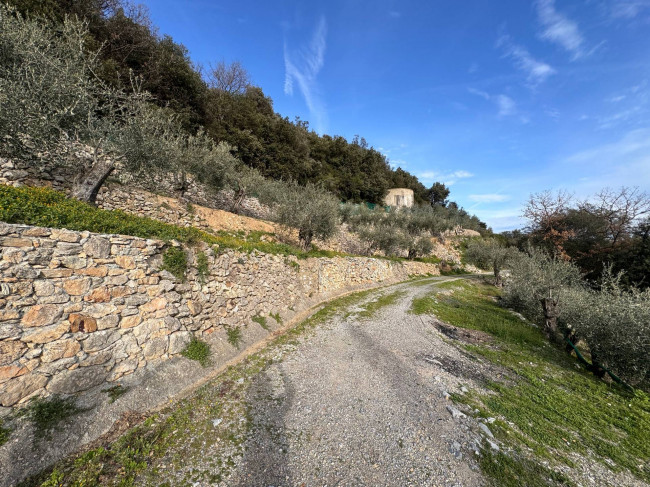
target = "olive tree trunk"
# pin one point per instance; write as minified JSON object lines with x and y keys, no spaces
{"x":89,"y":184}
{"x":549,"y":305}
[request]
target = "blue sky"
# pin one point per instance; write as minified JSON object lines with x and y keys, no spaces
{"x":498,"y":99}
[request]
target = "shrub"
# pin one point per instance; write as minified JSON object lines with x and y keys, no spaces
{"x":47,"y":414}
{"x":175,"y":261}
{"x":197,"y":350}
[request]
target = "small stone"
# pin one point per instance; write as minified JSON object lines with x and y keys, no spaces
{"x":65,"y":236}
{"x":455,"y":412}
{"x":483,"y":427}
{"x":130,"y":321}
{"x":46,"y":334}
{"x":43,"y":288}
{"x":16,"y":242}
{"x":60,"y":349}
{"x":10,"y":371}
{"x":11,"y":350}
{"x":154,"y":305}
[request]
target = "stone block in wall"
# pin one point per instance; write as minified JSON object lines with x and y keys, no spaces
{"x":77,"y":380}
{"x":16,"y":389}
{"x":98,"y":247}
{"x":155,"y":348}
{"x":11,"y":350}
{"x":46,"y":334}
{"x":59,"y":349}
{"x":100,"y":340}
{"x":178,"y":341}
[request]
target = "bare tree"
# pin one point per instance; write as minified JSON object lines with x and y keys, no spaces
{"x":546,"y":212}
{"x":232,"y":78}
{"x":619,"y":209}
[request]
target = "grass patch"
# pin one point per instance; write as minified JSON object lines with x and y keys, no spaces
{"x":261,"y":320}
{"x":115,"y":392}
{"x":276,"y":317}
{"x":175,"y":261}
{"x":371,"y":308}
{"x":47,"y":414}
{"x":234,"y":335}
{"x":197,"y":350}
{"x":4,"y":433}
{"x":202,"y":266}
{"x":555,"y":408}
{"x":48,"y":208}
{"x":510,"y":471}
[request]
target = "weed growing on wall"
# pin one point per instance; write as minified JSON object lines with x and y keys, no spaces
{"x":261,"y":320}
{"x":197,"y":350}
{"x":276,"y":317}
{"x":4,"y":433}
{"x":115,"y":392}
{"x":202,"y":266}
{"x":234,"y":335}
{"x":175,"y":261}
{"x":46,"y":414}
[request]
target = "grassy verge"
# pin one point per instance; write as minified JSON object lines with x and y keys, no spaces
{"x":369,"y":309}
{"x":556,"y":414}
{"x":198,"y":439}
{"x":48,"y":208}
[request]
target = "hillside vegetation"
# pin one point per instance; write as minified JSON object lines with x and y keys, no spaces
{"x":221,"y":102}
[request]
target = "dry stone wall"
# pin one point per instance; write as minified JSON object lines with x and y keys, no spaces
{"x":78,"y":310}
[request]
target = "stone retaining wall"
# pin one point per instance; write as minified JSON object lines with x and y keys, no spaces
{"x":79,"y":309}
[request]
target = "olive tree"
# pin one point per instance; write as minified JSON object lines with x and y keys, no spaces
{"x":51,"y":100}
{"x":536,"y":287}
{"x":490,"y":254}
{"x":310,"y":209}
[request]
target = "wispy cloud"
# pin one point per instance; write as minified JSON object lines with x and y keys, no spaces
{"x":302,"y":67}
{"x":536,"y":71}
{"x":559,"y":28}
{"x":506,"y":106}
{"x":429,"y":177}
{"x":489,"y":198}
{"x":629,"y":9}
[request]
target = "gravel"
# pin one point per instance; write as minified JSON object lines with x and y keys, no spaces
{"x":361,"y":402}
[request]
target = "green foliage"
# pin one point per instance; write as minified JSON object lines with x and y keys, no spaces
{"x":513,"y":470}
{"x":276,"y":317}
{"x":310,"y":209}
{"x":115,"y":392}
{"x":4,"y":433}
{"x":261,"y":320}
{"x":234,"y":335}
{"x":175,"y":261}
{"x":49,"y":208}
{"x":47,"y":414}
{"x":490,"y":254}
{"x":202,"y":266}
{"x":197,"y":350}
{"x":553,"y":409}
{"x":613,"y":322}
